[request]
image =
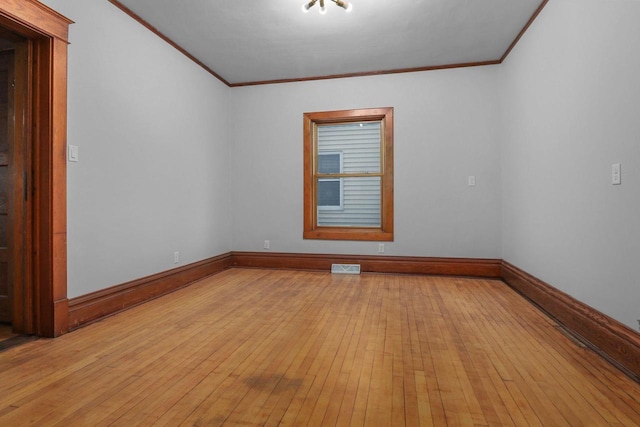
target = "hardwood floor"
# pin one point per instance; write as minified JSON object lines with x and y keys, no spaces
{"x":268,"y":347}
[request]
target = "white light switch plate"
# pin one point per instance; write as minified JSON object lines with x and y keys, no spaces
{"x":616,"y":174}
{"x":73,"y":153}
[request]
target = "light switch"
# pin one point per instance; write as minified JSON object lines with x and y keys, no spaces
{"x":616,"y":174}
{"x":73,"y":153}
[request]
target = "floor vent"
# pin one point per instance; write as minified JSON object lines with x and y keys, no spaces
{"x":345,"y":268}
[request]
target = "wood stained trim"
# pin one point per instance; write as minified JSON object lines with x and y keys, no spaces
{"x":47,"y":35}
{"x":611,"y":339}
{"x":489,"y":268}
{"x":311,"y":121}
{"x":524,"y":30}
{"x":369,"y":73}
{"x":35,"y":18}
{"x":106,"y":302}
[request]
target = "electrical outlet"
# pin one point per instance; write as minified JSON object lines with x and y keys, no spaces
{"x":471,"y":181}
{"x":176,"y":257}
{"x":380,"y":248}
{"x":267,"y":244}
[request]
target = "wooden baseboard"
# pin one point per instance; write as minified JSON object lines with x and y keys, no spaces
{"x":60,"y":319}
{"x":616,"y":342}
{"x":105,"y":302}
{"x":489,"y":268}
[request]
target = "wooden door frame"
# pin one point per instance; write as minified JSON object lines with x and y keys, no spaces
{"x":43,"y":297}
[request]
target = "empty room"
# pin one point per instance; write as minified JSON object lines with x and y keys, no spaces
{"x":264,"y":213}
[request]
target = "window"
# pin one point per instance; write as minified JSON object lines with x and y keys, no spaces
{"x":348,"y":175}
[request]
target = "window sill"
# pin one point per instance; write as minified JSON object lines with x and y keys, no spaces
{"x":348,"y":233}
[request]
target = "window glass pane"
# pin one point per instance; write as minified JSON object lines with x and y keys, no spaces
{"x":329,"y":192}
{"x":359,"y":144}
{"x":329,"y":163}
{"x":360,"y":204}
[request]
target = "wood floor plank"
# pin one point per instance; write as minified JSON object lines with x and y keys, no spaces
{"x":493,"y":337}
{"x":429,"y":322}
{"x":220,"y":393}
{"x":409,"y":344}
{"x":267,"y":347}
{"x":515,"y":359}
{"x":276,"y":404}
{"x":331,"y":396}
{"x":538,"y":375}
{"x":368,"y":314}
{"x":363,"y":381}
{"x":256,"y":398}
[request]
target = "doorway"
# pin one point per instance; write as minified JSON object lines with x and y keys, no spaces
{"x":7,"y":55}
{"x":35,"y":220}
{"x":15,"y":170}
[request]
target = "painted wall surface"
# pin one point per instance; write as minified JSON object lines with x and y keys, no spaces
{"x":445,"y":130}
{"x":571,"y":108}
{"x":151,"y":127}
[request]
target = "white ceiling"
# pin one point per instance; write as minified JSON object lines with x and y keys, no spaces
{"x":245,"y":41}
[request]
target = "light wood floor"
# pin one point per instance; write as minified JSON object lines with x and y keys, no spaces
{"x":259,"y":347}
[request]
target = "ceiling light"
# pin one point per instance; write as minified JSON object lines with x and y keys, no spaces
{"x":343,"y":4}
{"x":307,"y":6}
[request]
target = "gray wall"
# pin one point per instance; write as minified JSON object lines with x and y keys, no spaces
{"x":151,"y":127}
{"x":445,"y":130}
{"x":571,"y":108}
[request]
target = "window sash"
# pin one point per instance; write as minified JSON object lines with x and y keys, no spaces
{"x":361,"y":204}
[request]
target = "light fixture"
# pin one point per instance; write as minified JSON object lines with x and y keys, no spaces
{"x":343,"y":4}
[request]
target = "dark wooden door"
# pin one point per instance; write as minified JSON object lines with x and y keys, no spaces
{"x":6,"y":107}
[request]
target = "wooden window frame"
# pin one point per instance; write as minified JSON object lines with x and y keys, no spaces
{"x":310,"y":123}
